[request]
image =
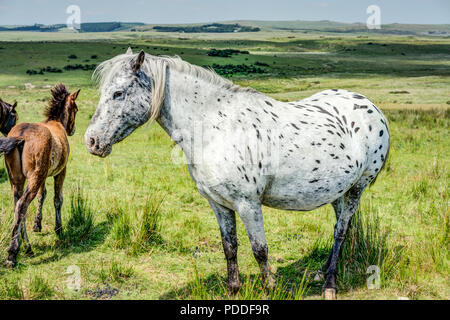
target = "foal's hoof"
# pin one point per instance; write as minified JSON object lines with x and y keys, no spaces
{"x":318,"y":276}
{"x":329,"y":294}
{"x":10,"y":263}
{"x":37,"y":228}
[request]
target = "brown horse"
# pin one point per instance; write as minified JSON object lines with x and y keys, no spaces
{"x":33,"y":152}
{"x":8,"y":116}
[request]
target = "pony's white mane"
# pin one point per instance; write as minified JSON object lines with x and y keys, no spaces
{"x":155,"y":67}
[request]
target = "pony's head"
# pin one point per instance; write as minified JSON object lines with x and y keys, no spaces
{"x":131,"y":93}
{"x":8,"y":116}
{"x":62,"y":107}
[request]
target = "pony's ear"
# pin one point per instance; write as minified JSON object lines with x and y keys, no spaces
{"x":74,"y":95}
{"x":139,"y":61}
{"x":14,"y":105}
{"x":129,"y":51}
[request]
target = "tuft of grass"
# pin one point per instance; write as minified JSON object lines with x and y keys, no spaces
{"x":252,"y":288}
{"x":420,"y":188}
{"x":367,"y":244}
{"x":80,"y":225}
{"x":117,"y":272}
{"x":136,"y":231}
{"x":11,"y":289}
{"x":40,"y":289}
{"x":6,"y":222}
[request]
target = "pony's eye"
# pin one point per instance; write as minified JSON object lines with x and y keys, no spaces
{"x":117,"y":94}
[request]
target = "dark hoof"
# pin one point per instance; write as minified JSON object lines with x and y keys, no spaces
{"x":233,"y":288}
{"x":37,"y":228}
{"x":270,"y":283}
{"x":329,"y":294}
{"x":58,"y":231}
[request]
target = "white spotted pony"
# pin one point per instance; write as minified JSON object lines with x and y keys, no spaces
{"x":244,"y":149}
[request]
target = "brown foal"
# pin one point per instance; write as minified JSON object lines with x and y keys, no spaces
{"x":33,"y":152}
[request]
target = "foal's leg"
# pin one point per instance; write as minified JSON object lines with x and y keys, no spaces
{"x":340,"y":231}
{"x":58,"y":200}
{"x":227,"y":224}
{"x":40,"y":198}
{"x":251,"y":216}
{"x":19,"y":218}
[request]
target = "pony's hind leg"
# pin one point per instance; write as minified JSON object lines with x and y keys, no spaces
{"x":19,"y":218}
{"x":252,"y":217}
{"x":40,"y":198}
{"x":348,"y":208}
{"x":338,"y":206}
{"x":227,"y":224}
{"x":58,"y":200}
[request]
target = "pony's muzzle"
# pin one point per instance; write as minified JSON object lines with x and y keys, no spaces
{"x":96,"y":147}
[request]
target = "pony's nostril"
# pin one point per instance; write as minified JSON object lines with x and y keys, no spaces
{"x":92,"y":141}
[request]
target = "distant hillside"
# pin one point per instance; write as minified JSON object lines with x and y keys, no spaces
{"x":340,"y":27}
{"x":84,"y":27}
{"x":206,"y":28}
{"x":248,"y":26}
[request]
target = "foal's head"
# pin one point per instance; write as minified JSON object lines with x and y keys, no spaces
{"x":63,"y":108}
{"x":8,"y":116}
{"x":132,"y":90}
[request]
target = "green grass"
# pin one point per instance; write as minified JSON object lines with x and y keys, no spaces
{"x":136,"y":222}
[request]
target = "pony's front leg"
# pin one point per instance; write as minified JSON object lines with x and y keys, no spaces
{"x":227,"y":224}
{"x":252,"y":218}
{"x":40,"y":198}
{"x":58,"y":200}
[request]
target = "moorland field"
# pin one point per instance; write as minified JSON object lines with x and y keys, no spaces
{"x":135,"y":222}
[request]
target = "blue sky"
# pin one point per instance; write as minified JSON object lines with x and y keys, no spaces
{"x":189,"y":11}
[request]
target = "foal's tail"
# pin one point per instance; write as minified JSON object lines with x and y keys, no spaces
{"x":9,"y":144}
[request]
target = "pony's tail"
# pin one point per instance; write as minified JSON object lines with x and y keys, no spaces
{"x":7,"y":145}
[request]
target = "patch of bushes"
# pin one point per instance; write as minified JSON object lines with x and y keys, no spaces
{"x":231,"y":69}
{"x":43,"y":70}
{"x":85,"y":67}
{"x":227,"y":53}
{"x":72,"y":56}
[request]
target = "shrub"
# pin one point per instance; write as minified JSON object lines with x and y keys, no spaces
{"x":40,"y":289}
{"x":367,"y":244}
{"x":117,"y":272}
{"x":136,"y":231}
{"x":80,"y":225}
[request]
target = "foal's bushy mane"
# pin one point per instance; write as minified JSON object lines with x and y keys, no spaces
{"x":155,"y":67}
{"x":56,"y":105}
